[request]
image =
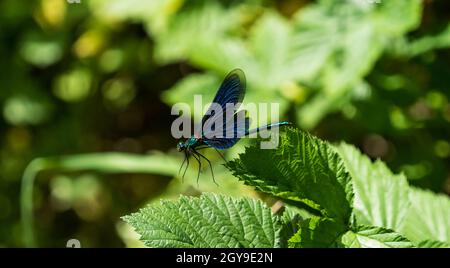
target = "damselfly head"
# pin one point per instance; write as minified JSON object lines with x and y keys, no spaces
{"x":180,"y":146}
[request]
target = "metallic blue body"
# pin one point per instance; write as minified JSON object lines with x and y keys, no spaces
{"x":231,"y":91}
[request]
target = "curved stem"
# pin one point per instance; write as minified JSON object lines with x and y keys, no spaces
{"x":100,"y":162}
{"x":26,"y":200}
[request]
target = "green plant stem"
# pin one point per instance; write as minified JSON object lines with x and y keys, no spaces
{"x":26,"y":200}
{"x":100,"y":162}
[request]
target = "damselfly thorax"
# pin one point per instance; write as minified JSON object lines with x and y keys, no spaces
{"x":225,"y":133}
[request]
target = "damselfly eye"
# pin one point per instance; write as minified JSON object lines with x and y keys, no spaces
{"x":180,"y":146}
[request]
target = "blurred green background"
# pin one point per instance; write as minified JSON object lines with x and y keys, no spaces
{"x":87,"y":88}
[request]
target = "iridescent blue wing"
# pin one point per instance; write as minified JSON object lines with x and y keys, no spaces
{"x":230,"y":133}
{"x":221,"y":143}
{"x":232,"y":90}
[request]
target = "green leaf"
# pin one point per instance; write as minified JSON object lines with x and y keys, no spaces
{"x":153,"y":163}
{"x":395,"y":18}
{"x":290,"y":224}
{"x":433,"y":244}
{"x":428,"y":43}
{"x":428,"y":217}
{"x":317,"y":47}
{"x":209,"y":221}
{"x":197,"y":23}
{"x":205,"y":85}
{"x":353,"y":46}
{"x":318,"y":232}
{"x":279,"y":51}
{"x":381,"y":197}
{"x":385,"y":199}
{"x":269,"y":40}
{"x":158,"y":13}
{"x":301,"y":169}
{"x":374,"y":237}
